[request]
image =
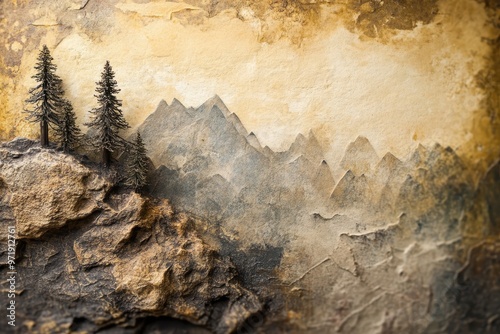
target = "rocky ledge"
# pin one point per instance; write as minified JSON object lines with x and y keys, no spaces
{"x":91,"y":256}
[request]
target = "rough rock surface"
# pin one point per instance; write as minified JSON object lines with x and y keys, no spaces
{"x":90,"y":257}
{"x":47,"y":190}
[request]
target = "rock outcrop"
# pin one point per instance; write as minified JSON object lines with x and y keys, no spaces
{"x":48,"y":190}
{"x":92,"y":257}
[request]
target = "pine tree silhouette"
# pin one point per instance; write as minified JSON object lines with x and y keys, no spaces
{"x":137,"y":167}
{"x":47,"y":96}
{"x":108,"y":119}
{"x":68,"y":132}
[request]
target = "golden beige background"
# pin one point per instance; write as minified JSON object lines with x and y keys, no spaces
{"x":399,"y":75}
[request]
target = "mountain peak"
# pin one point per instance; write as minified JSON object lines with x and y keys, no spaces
{"x":254,"y":141}
{"x":215,"y":110}
{"x":309,"y":147}
{"x":419,"y":155}
{"x":215,"y":101}
{"x":362,"y":141}
{"x":389,"y":161}
{"x":176,"y":103}
{"x":162,"y":104}
{"x":360,"y":156}
{"x":300,"y":139}
{"x":323,"y":181}
{"x":235,"y":120}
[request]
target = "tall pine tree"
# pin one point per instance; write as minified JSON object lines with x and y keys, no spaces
{"x":137,"y":166}
{"x":107,"y":118}
{"x":47,"y":96}
{"x":68,"y":132}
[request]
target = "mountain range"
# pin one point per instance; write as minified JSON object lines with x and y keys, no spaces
{"x":210,"y":165}
{"x":388,"y":228}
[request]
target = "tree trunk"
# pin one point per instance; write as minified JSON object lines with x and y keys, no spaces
{"x":44,"y":134}
{"x":106,"y":157}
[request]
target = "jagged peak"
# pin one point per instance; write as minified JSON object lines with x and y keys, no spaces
{"x":216,"y":112}
{"x":362,"y":140}
{"x":253,"y":138}
{"x":233,"y":117}
{"x":360,"y":156}
{"x":162,"y":104}
{"x":390,"y":157}
{"x":420,"y":150}
{"x":361,"y":144}
{"x":441,"y":154}
{"x":254,"y":141}
{"x":438,"y":147}
{"x":449,"y":149}
{"x":421,"y":147}
{"x":344,"y":182}
{"x":215,"y":101}
{"x":300,"y":141}
{"x":324,"y":167}
{"x":236,"y":122}
{"x":300,"y":138}
{"x":176,"y":103}
{"x":419,"y":154}
{"x":436,"y":151}
{"x":301,"y":159}
{"x":161,"y":107}
{"x":389,"y":160}
{"x":323,"y":171}
{"x":349,"y":175}
{"x":268,"y":151}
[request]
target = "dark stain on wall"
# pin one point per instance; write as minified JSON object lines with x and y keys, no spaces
{"x":376,"y":15}
{"x":301,"y":18}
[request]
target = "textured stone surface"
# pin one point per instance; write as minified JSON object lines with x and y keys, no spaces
{"x":48,"y":190}
{"x":112,"y":263}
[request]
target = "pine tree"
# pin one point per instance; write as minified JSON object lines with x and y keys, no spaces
{"x":46,"y":97}
{"x":108,"y":119}
{"x":137,"y":167}
{"x":68,"y":132}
